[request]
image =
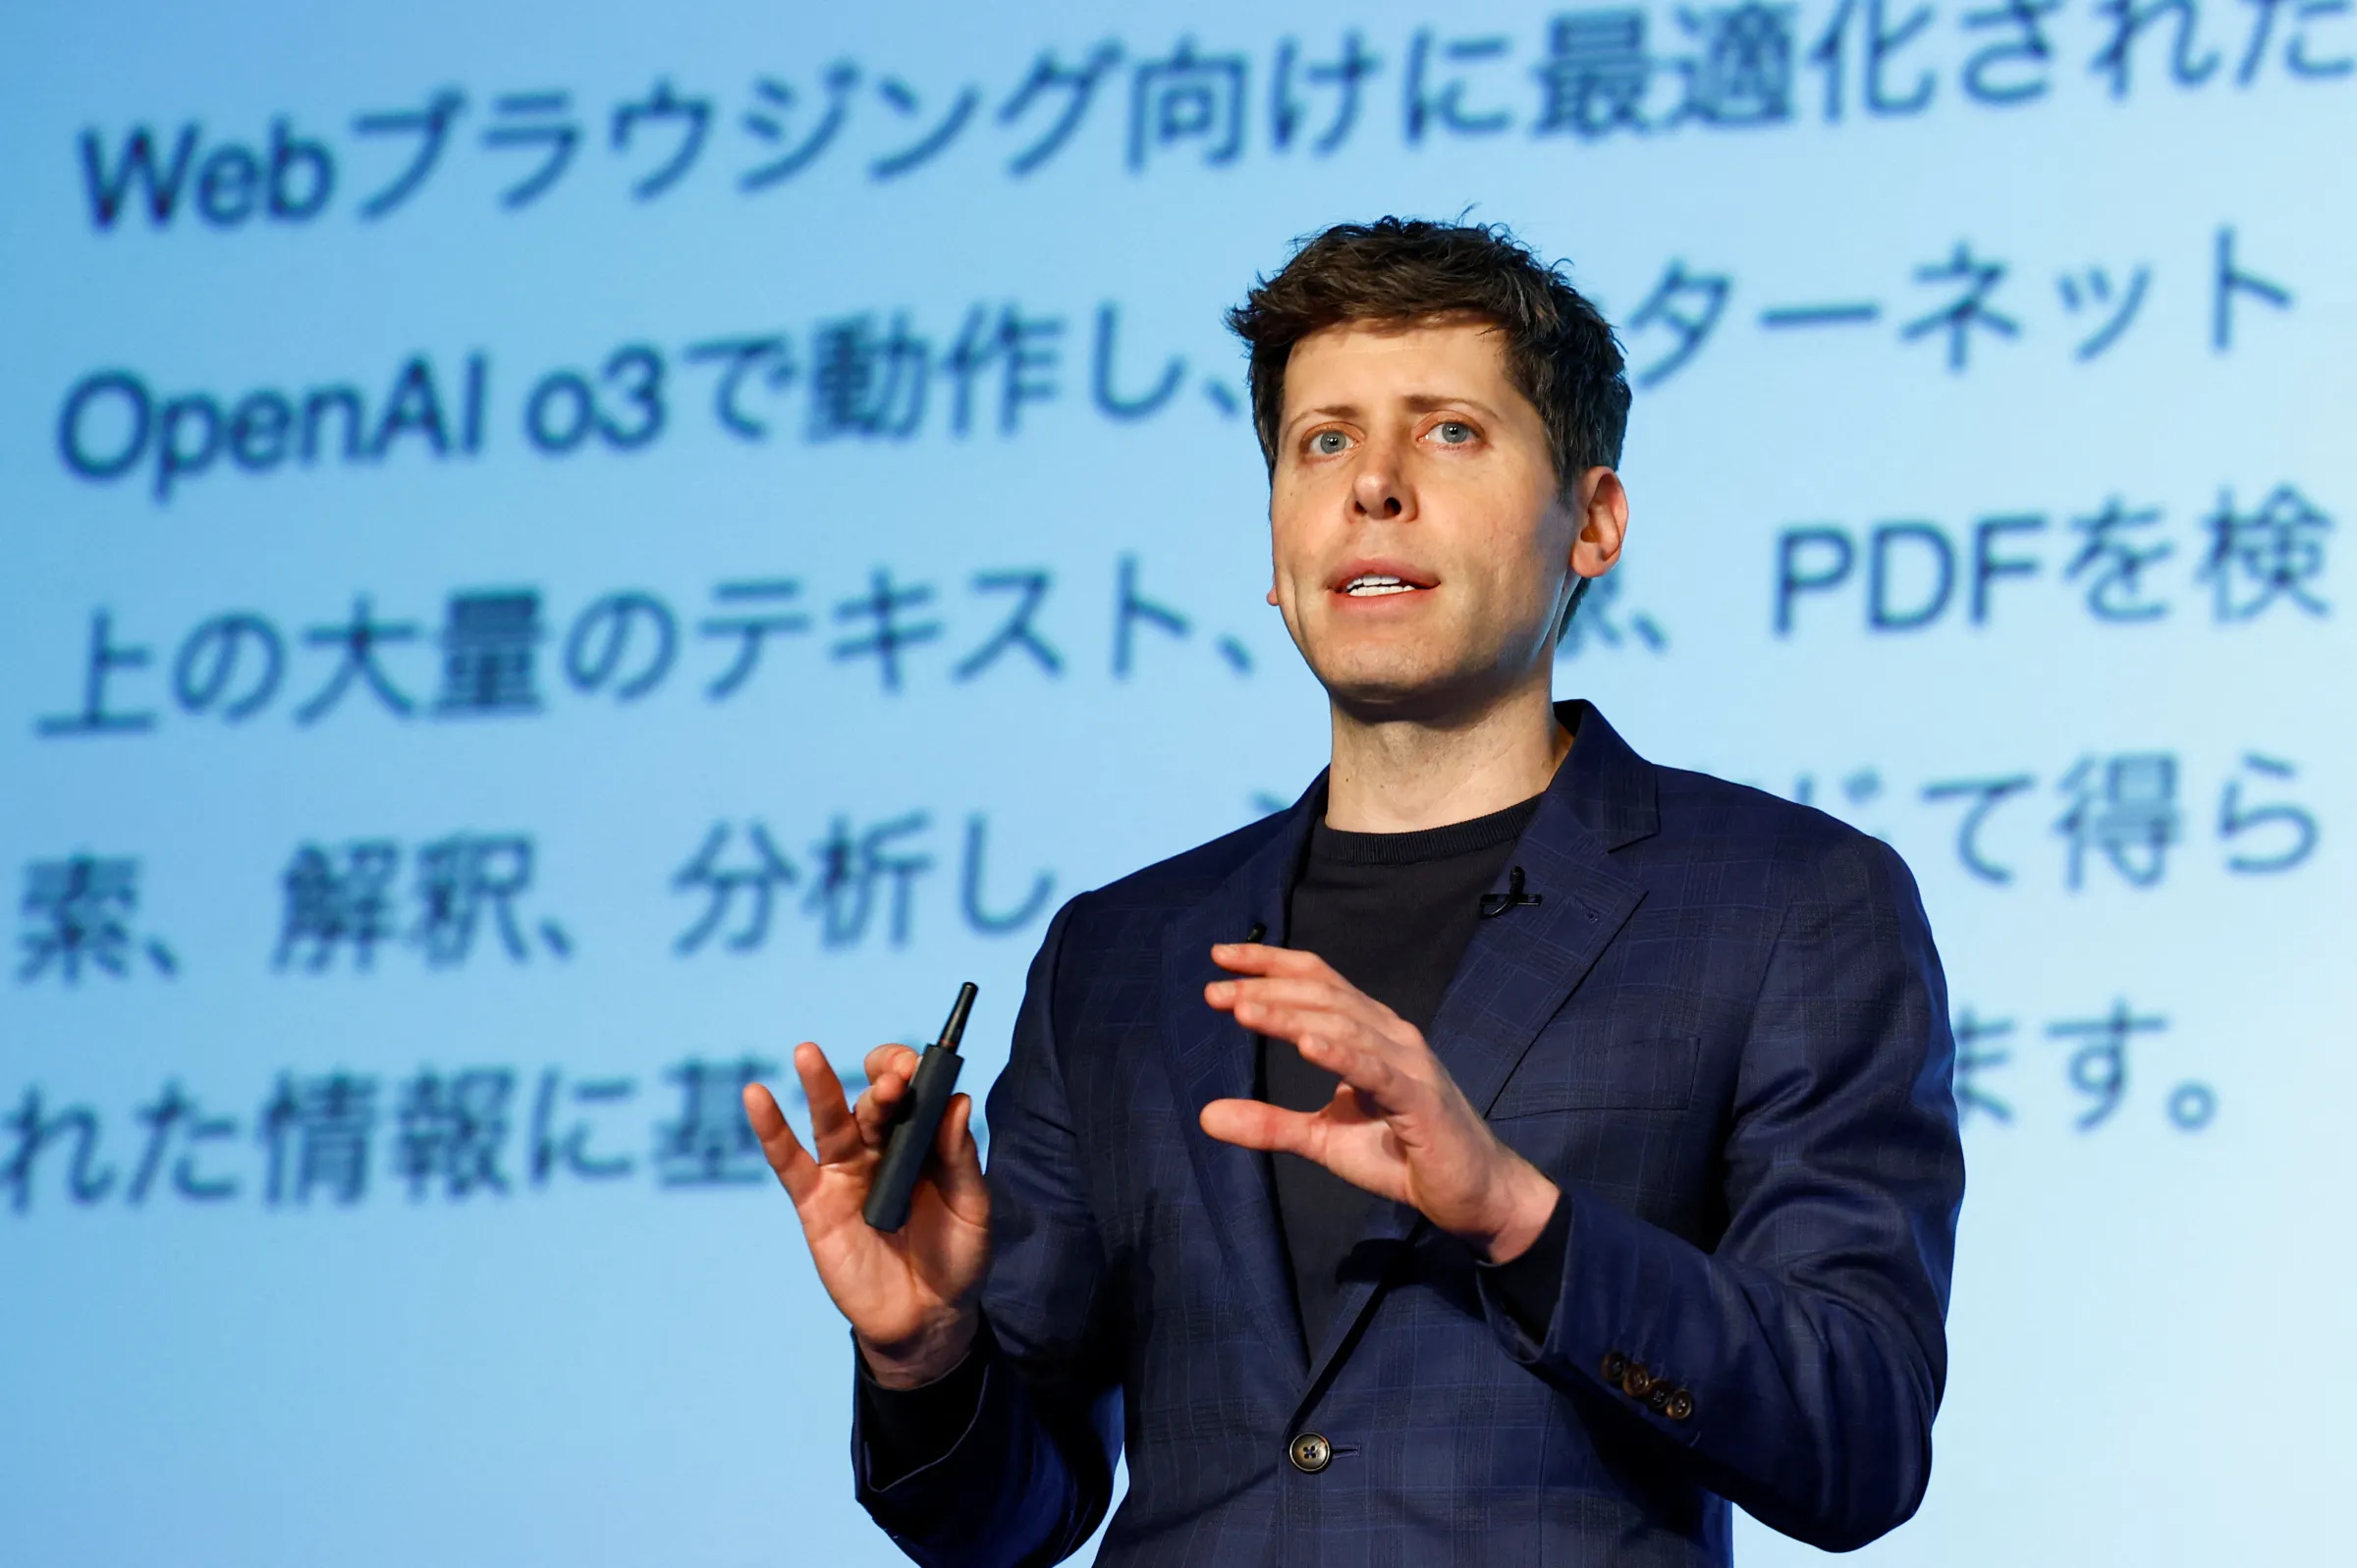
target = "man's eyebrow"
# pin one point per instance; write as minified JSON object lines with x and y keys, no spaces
{"x":1426,"y":402}
{"x":1414,"y":402}
{"x":1327,"y":411}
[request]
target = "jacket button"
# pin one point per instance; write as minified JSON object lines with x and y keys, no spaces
{"x":1310,"y":1453}
{"x":1614,"y":1364}
{"x":1658,"y":1401}
{"x":1680,"y":1406}
{"x":1637,"y":1381}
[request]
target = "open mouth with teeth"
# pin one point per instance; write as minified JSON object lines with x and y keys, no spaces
{"x":1375,"y":585}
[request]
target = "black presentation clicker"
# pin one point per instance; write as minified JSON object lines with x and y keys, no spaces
{"x":919,"y":1123}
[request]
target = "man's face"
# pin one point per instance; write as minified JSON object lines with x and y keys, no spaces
{"x":1421,"y":547}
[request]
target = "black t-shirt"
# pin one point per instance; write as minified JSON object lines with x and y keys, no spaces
{"x":1393,"y":913}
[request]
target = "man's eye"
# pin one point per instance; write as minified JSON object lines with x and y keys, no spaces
{"x":1453,"y":432}
{"x":1329,"y":443}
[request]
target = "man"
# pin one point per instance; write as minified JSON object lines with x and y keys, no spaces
{"x":1514,"y":1152}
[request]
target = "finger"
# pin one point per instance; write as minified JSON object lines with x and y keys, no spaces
{"x":1335,"y":993}
{"x":898,"y":1062}
{"x":797,"y":1171}
{"x":833,"y":1131}
{"x":1299,"y":1021}
{"x":1257,"y":1124}
{"x":1295,"y":1023}
{"x":1288,"y":987}
{"x":890,"y":1071}
{"x":880,"y":1107}
{"x":1354,"y":1049}
{"x":1260,"y":959}
{"x":959,"y":1163}
{"x":1387,"y":1090}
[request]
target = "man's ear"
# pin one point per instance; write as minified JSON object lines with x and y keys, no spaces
{"x":1601,"y":509}
{"x":1271,"y":595}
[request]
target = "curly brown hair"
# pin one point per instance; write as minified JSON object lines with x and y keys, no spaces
{"x":1559,"y":351}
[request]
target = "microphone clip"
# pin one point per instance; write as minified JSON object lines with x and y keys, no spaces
{"x":1494,"y":904}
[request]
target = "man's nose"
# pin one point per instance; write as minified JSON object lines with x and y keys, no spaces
{"x":1379,"y":490}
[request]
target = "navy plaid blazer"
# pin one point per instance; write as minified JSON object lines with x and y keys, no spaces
{"x":1723,"y":1032}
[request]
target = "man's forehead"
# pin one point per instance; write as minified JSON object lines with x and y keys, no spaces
{"x":1451,"y":333}
{"x":1424,"y":356}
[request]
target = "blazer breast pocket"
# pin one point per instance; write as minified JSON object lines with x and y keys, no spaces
{"x":1656,"y":1075}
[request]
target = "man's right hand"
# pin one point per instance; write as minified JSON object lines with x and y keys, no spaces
{"x":911,"y":1295}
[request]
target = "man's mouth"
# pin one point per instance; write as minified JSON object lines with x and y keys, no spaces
{"x":1377,"y":578}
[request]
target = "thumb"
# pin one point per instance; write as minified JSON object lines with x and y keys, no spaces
{"x":1257,"y":1124}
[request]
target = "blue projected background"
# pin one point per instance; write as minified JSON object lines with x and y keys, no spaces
{"x":554,"y":551}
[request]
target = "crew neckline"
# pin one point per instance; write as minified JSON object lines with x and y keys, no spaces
{"x":1336,"y":844}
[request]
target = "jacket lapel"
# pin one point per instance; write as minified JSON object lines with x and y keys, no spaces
{"x":1524,"y":963}
{"x":1211,"y":1058}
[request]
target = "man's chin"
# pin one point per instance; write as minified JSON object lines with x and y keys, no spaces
{"x":1401,"y":694}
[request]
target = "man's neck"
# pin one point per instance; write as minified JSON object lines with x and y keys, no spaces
{"x":1397,"y":775}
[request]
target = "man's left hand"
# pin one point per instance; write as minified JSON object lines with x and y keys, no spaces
{"x":1398,"y":1125}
